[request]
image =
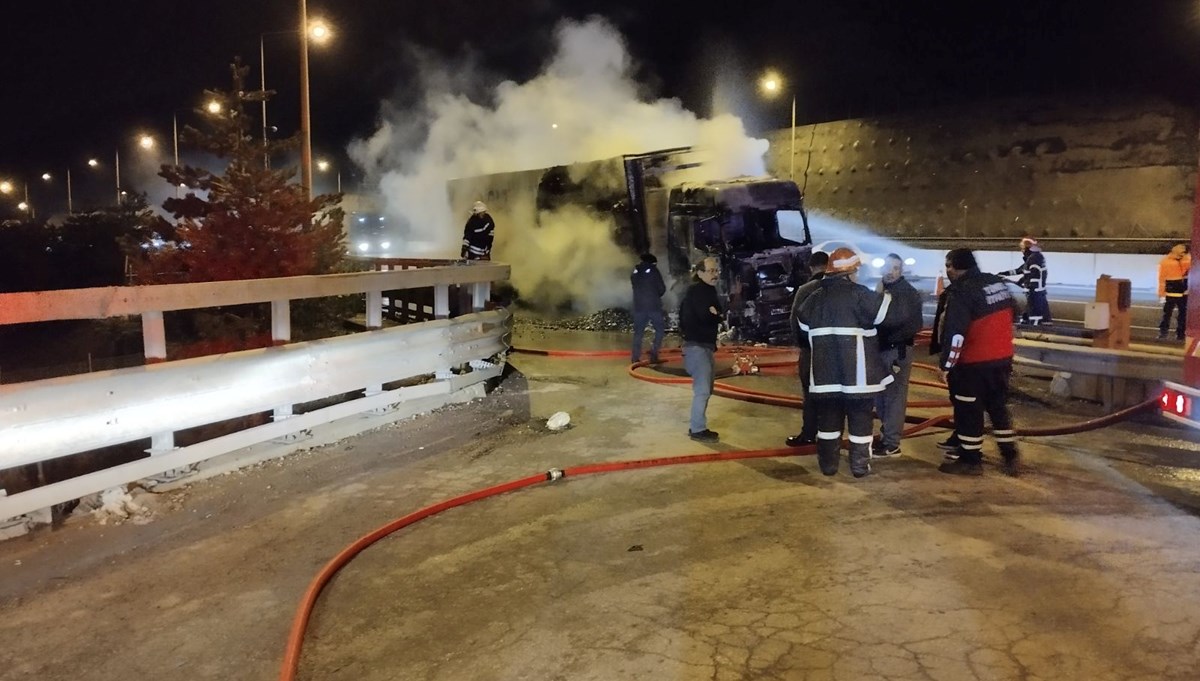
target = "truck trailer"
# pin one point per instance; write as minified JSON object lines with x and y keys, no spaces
{"x":652,"y":203}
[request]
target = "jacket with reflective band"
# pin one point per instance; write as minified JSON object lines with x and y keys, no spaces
{"x":977,"y":326}
{"x":838,"y":321}
{"x":1173,"y":276}
{"x":478,"y":234}
{"x":1032,"y":271}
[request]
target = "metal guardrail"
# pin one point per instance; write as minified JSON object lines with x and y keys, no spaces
{"x":45,"y":419}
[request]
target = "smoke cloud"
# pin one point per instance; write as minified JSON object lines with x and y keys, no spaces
{"x":583,"y":106}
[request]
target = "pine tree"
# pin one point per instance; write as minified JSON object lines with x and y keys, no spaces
{"x":249,"y":222}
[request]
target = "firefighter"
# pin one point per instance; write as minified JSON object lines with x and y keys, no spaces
{"x":808,"y":426}
{"x":478,"y":234}
{"x":976,"y":363}
{"x":1033,"y":279}
{"x":1173,"y":290}
{"x":838,"y":322}
{"x":648,"y":290}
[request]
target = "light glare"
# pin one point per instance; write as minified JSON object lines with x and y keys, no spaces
{"x":6,"y":187}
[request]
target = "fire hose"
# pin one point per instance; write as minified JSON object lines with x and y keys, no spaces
{"x":295,"y":640}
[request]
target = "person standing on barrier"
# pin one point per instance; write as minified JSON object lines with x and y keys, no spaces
{"x":838,"y":322}
{"x":1033,"y":279}
{"x":976,"y":362}
{"x":896,"y":352}
{"x":700,"y":318}
{"x":478,"y":234}
{"x":1173,"y":290}
{"x":808,"y":426}
{"x":648,"y":290}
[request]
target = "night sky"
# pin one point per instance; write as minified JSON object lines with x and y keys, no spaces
{"x":81,"y":78}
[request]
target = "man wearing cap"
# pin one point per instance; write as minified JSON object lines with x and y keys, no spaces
{"x":1033,"y":279}
{"x":478,"y":233}
{"x":976,"y":363}
{"x":1173,"y":290}
{"x":648,"y":290}
{"x":838,"y":321}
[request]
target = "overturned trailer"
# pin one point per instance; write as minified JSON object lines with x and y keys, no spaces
{"x":651,"y":203}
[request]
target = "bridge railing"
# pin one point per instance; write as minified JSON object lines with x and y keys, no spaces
{"x":377,"y":371}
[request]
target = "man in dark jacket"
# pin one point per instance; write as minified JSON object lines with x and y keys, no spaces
{"x":976,"y":362}
{"x":478,"y":234}
{"x":838,"y":322}
{"x":700,"y":318}
{"x":1033,"y":279}
{"x":648,"y":290}
{"x":895,"y":350}
{"x":808,"y":427}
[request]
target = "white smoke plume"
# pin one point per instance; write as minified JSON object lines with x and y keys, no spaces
{"x":584,"y":106}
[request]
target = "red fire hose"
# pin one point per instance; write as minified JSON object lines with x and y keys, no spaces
{"x":295,"y":640}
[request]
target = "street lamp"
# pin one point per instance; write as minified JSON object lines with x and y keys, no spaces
{"x":324,"y":166}
{"x":319,"y":32}
{"x":771,"y":85}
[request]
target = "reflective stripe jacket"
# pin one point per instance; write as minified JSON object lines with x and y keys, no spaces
{"x":977,"y":326}
{"x":477,"y":236}
{"x":1172,"y":276}
{"x":838,"y":322}
{"x":1032,"y":271}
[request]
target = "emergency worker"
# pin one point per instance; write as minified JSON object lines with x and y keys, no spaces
{"x":478,"y":234}
{"x":838,"y":322}
{"x":1033,"y":279}
{"x":700,"y":317}
{"x":808,"y":427}
{"x":648,"y":290}
{"x":1173,"y":290}
{"x":896,"y":352}
{"x":976,"y":362}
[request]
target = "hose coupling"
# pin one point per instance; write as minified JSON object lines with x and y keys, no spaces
{"x":554,"y":474}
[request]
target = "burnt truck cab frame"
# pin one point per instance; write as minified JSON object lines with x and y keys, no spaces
{"x":738,"y":222}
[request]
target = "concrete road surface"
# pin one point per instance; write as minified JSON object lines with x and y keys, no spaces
{"x":1085,"y":568}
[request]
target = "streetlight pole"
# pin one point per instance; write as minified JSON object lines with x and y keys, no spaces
{"x":262,"y":85}
{"x":117,"y":170}
{"x":305,"y":127}
{"x":792,"y":165}
{"x":70,"y":205}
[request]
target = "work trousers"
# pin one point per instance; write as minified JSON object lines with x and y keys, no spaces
{"x":640,"y":319}
{"x":974,"y":391}
{"x":891,"y":404}
{"x":808,"y":427}
{"x":1174,"y":303}
{"x":700,"y":365}
{"x":835,"y":415}
{"x":1038,"y":310}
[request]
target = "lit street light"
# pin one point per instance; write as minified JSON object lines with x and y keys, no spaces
{"x":771,"y":85}
{"x":320,"y":33}
{"x":6,"y":187}
{"x":146,"y":142}
{"x":213,"y":107}
{"x":46,"y":176}
{"x":324,"y":166}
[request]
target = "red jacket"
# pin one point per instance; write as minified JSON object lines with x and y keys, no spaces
{"x":977,"y":327}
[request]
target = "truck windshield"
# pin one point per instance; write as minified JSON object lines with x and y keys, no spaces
{"x":791,"y":226}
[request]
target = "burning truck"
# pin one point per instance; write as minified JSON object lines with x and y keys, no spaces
{"x":648,"y":203}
